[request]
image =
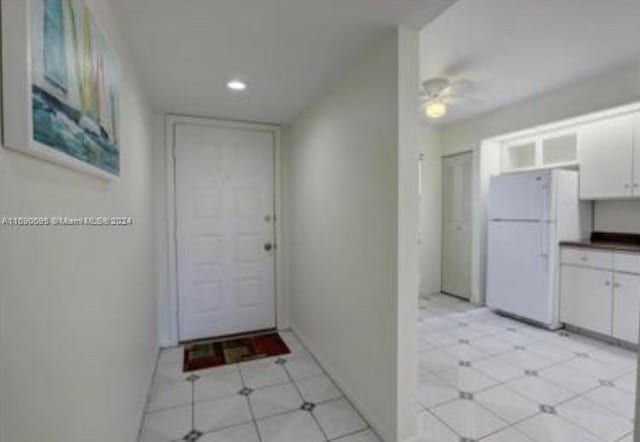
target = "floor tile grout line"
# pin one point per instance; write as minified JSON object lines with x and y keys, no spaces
{"x":344,"y":436}
{"x":324,"y":372}
{"x":253,"y":416}
{"x":284,"y":366}
{"x":575,"y":395}
{"x":431,"y":410}
{"x":554,"y":364}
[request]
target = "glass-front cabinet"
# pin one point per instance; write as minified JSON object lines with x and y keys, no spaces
{"x":547,"y":150}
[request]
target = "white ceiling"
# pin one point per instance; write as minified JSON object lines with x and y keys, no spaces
{"x":287,"y":51}
{"x":509,"y":50}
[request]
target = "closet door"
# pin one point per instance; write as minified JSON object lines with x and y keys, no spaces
{"x":456,"y":227}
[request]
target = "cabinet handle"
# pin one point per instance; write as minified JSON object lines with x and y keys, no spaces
{"x":607,"y":283}
{"x":627,"y":185}
{"x":585,"y":259}
{"x":616,"y":285}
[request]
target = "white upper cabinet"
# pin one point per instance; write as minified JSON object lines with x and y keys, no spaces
{"x":606,"y":157}
{"x":542,"y":151}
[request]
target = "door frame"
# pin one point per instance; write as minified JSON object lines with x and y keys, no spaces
{"x":171,"y":121}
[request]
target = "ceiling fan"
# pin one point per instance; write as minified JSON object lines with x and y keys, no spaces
{"x":438,"y":93}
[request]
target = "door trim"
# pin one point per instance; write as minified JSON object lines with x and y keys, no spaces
{"x":171,"y":121}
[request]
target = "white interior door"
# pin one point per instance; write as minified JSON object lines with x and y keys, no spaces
{"x":224,"y":180}
{"x":456,"y":227}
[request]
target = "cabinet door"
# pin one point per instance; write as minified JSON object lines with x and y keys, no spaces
{"x":606,"y":158}
{"x":636,"y":154}
{"x":585,"y":298}
{"x":626,"y":307}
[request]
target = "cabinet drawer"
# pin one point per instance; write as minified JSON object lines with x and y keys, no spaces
{"x":626,"y":262}
{"x":587,"y":257}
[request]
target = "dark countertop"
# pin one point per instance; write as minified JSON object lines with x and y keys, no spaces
{"x":609,"y":241}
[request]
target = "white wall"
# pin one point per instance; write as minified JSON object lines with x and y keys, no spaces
{"x":617,"y":216}
{"x":343,"y":191}
{"x":431,"y":212}
{"x":77,"y":308}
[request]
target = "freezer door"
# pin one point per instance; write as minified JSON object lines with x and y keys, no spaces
{"x":518,"y":276}
{"x":522,"y":196}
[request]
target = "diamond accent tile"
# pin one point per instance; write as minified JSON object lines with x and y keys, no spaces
{"x":548,"y":409}
{"x":463,"y":341}
{"x":464,"y":364}
{"x":466,"y":396}
{"x":307,"y":406}
{"x":531,"y":373}
{"x":606,"y":383}
{"x":245,"y":391}
{"x":462,"y":324}
{"x":519,"y":347}
{"x":564,"y":334}
{"x":192,"y":436}
{"x":192,"y":378}
{"x":281,"y":361}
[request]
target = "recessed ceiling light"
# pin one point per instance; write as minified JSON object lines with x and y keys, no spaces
{"x":236,"y":85}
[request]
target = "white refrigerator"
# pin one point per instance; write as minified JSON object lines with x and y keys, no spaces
{"x":529,"y":213}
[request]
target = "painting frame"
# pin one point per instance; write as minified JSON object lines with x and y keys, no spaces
{"x":82,"y":139}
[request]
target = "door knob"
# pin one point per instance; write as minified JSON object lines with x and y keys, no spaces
{"x":268,"y":247}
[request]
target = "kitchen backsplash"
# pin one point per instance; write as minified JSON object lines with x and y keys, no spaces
{"x":617,"y":216}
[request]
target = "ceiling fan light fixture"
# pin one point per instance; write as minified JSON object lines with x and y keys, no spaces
{"x":436,"y":109}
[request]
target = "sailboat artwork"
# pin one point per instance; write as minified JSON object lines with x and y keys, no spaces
{"x":74,"y":84}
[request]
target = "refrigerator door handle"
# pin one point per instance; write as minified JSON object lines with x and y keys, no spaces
{"x":544,"y":237}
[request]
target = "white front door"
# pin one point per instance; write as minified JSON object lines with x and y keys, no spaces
{"x":456,"y":227}
{"x":224,"y":180}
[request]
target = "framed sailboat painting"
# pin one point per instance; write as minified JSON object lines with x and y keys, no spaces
{"x":61,"y":86}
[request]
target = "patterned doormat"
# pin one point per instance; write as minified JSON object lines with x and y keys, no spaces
{"x":207,"y":354}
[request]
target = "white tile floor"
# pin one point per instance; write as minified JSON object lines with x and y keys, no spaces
{"x":286,"y":399}
{"x":488,"y":378}
{"x":483,"y":377}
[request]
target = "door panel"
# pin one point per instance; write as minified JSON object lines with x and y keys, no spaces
{"x":605,"y":155}
{"x":518,"y":277}
{"x":456,"y":238}
{"x":585,"y":298}
{"x":224,"y":211}
{"x":626,"y":307}
{"x":522,"y":196}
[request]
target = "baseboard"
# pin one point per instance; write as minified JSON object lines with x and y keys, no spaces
{"x":148,"y":396}
{"x":331,"y":373}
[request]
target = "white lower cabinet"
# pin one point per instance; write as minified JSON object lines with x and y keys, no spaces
{"x":586,"y":298}
{"x":626,"y":307}
{"x":600,"y":292}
